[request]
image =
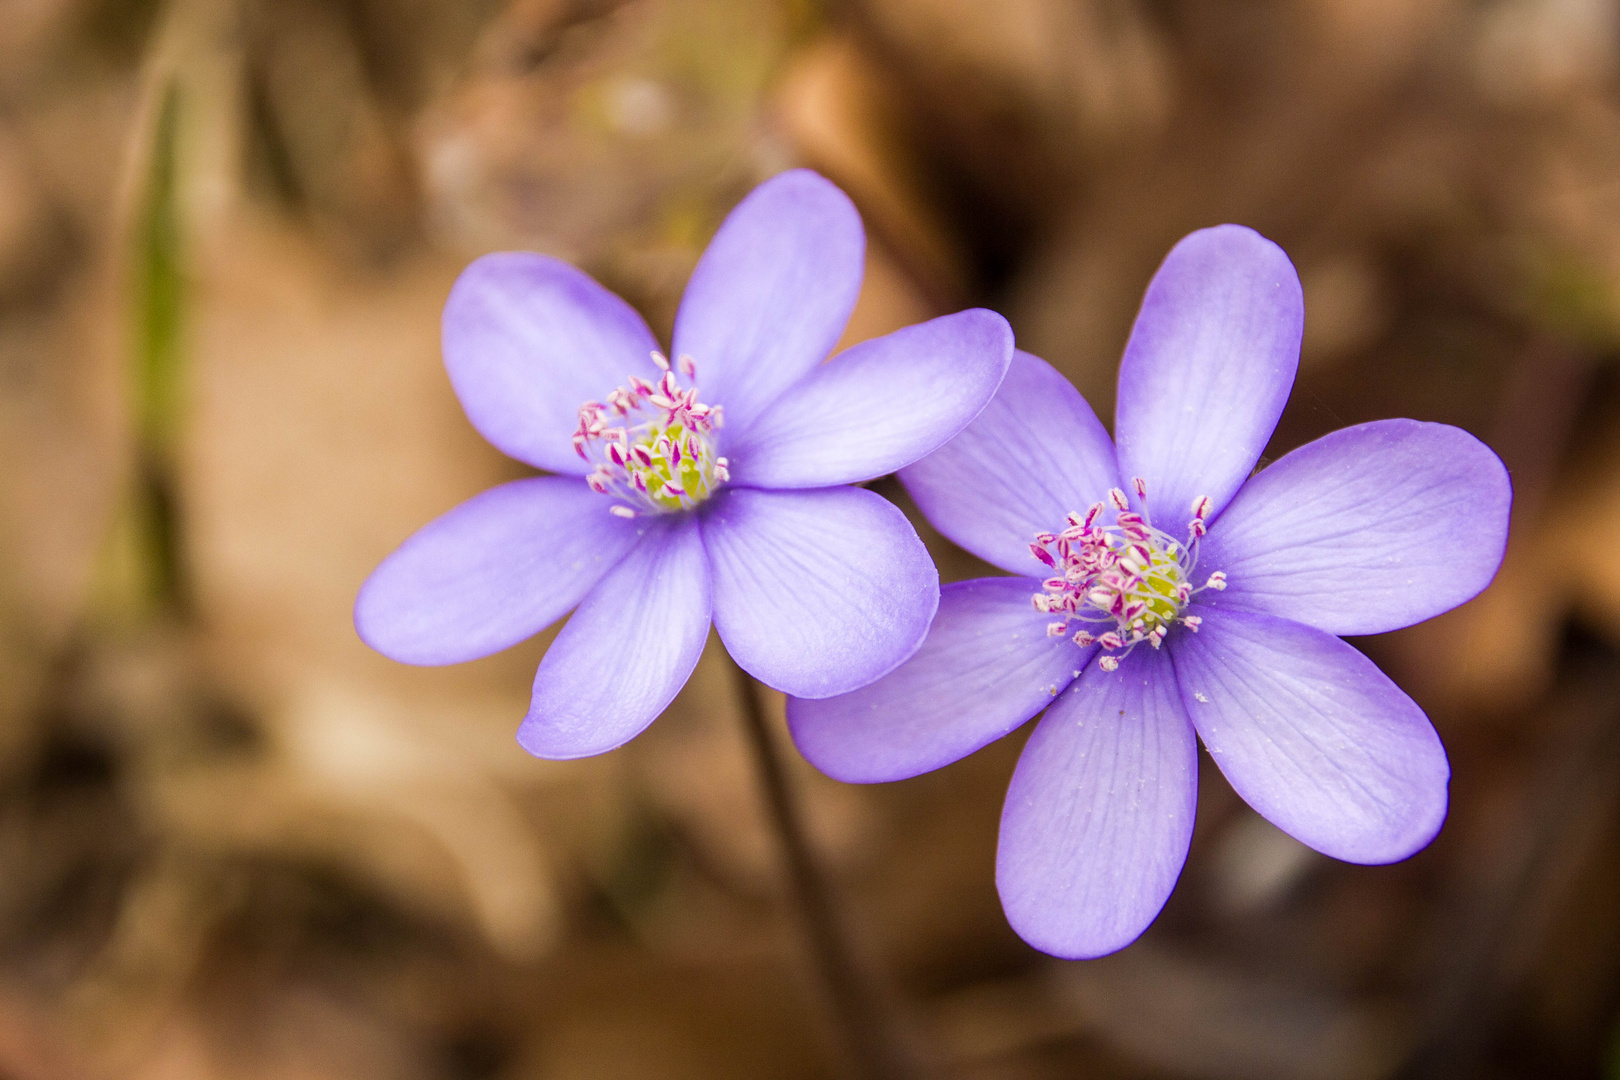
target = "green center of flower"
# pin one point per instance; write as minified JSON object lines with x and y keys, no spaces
{"x":1128,"y":574}
{"x":1154,"y":590}
{"x":677,"y":465}
{"x":652,"y":444}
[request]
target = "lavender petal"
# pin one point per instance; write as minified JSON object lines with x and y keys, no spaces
{"x":1100,"y":811}
{"x":986,"y":666}
{"x":1207,"y":369}
{"x":1036,"y":453}
{"x":497,"y":569}
{"x":528,"y":339}
{"x":772,"y":293}
{"x":817,"y":592}
{"x":1313,"y":735}
{"x":877,"y":406}
{"x":1368,"y":529}
{"x":626,"y":652}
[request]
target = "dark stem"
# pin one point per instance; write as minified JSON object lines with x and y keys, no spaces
{"x":864,"y":1015}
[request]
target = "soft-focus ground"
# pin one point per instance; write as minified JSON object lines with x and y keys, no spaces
{"x":235,"y":843}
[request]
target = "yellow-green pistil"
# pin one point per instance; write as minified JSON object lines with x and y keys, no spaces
{"x":661,"y":459}
{"x":1128,"y":574}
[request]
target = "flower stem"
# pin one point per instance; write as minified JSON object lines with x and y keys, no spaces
{"x":864,"y":1015}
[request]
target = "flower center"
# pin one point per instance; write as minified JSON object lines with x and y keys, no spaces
{"x":659,"y":456}
{"x":1128,"y":574}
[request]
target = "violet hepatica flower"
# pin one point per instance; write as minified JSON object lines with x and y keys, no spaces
{"x":704,"y":487}
{"x":1163,"y":591}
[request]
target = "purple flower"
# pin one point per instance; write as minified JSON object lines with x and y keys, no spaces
{"x":1166,"y":591}
{"x":703,"y":488}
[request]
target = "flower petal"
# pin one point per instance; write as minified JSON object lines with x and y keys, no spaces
{"x":877,"y":406}
{"x":627,"y":650}
{"x":817,"y":592}
{"x":1208,"y":368}
{"x":1100,"y":811}
{"x":772,"y":293}
{"x":1368,"y":529}
{"x":1036,"y":453}
{"x":986,"y":666}
{"x":497,"y":569}
{"x":528,"y":339}
{"x":1313,"y":735}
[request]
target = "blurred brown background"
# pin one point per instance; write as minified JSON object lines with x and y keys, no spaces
{"x":235,"y":843}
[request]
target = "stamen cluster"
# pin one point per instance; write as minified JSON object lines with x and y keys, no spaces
{"x":1129,"y":574}
{"x":661,"y":458}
